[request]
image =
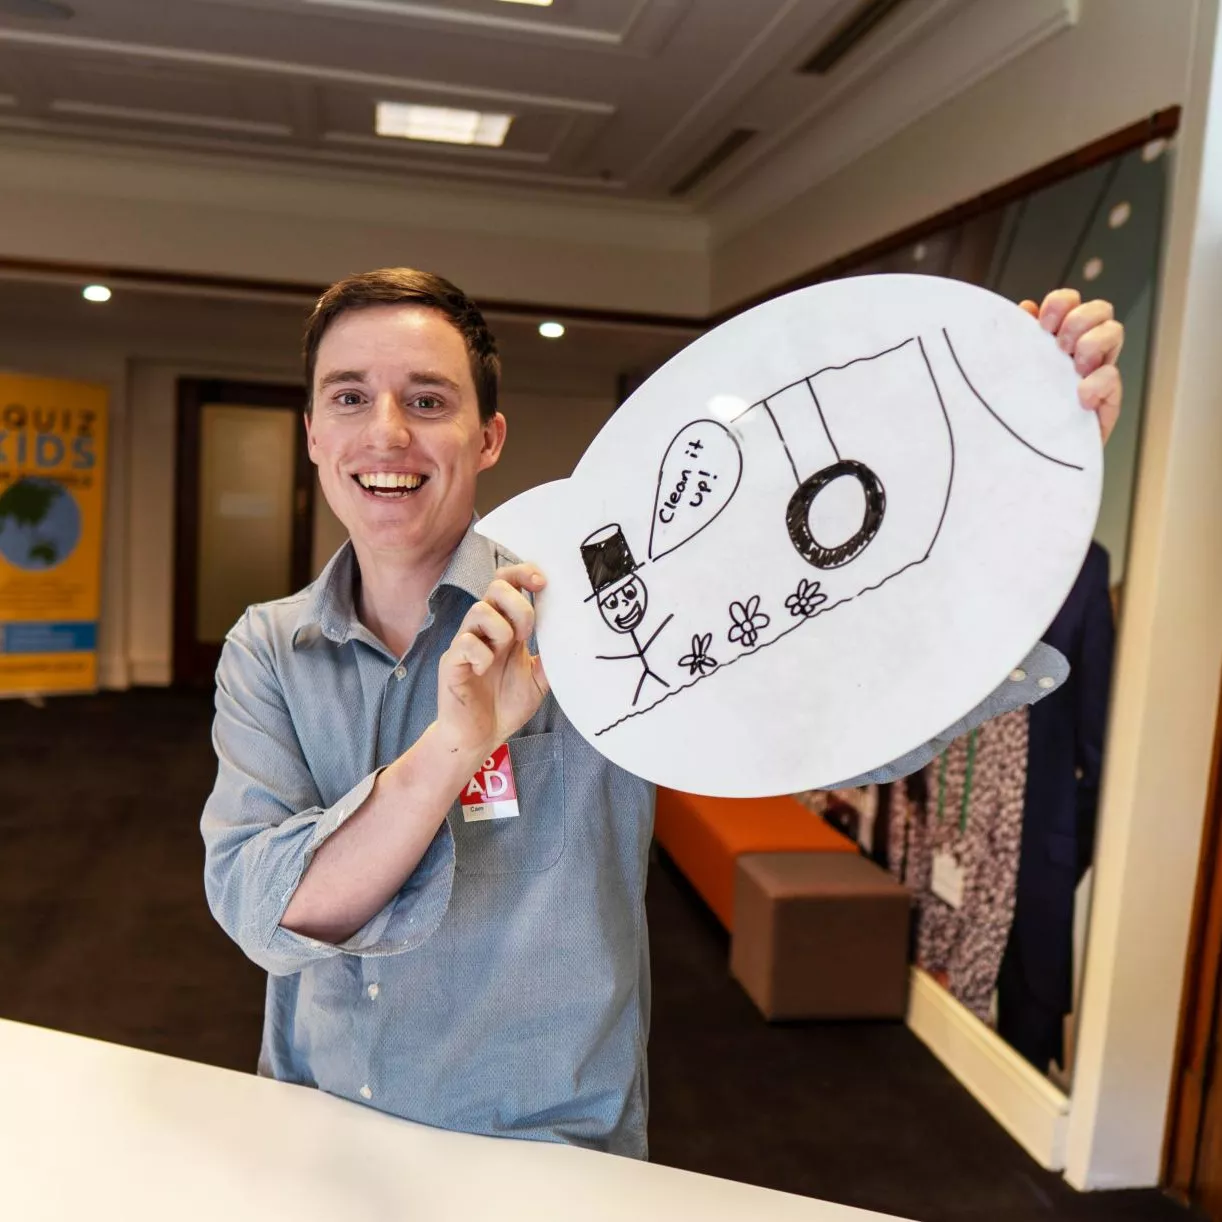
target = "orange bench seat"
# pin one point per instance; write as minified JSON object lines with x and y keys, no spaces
{"x":706,"y":836}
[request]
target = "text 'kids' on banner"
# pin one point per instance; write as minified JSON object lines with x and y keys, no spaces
{"x":52,"y":465}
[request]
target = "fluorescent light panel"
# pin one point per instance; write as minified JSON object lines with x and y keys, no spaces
{"x":408,"y":121}
{"x":540,"y":3}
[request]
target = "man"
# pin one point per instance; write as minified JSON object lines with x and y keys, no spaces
{"x":489,"y":975}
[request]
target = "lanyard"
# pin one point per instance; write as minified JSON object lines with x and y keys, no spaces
{"x":967,"y":781}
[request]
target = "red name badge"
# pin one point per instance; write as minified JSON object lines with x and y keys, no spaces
{"x":491,"y":793}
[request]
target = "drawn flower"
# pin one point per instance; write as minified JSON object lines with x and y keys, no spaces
{"x":806,"y":599}
{"x":748,"y":620}
{"x":700,"y":661}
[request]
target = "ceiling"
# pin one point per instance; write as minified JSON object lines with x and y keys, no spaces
{"x":611,"y":98}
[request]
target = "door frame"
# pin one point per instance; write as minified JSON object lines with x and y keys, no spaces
{"x":1197,"y":1053}
{"x":194,"y":663}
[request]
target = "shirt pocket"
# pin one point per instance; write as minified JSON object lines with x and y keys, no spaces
{"x":533,"y":840}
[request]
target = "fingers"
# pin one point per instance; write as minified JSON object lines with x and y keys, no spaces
{"x":1030,"y":307}
{"x":1101,"y":393}
{"x":522,"y":577}
{"x":1080,"y":321}
{"x":1056,"y":306}
{"x":512,"y":606}
{"x":467,"y":649}
{"x":1098,"y":346}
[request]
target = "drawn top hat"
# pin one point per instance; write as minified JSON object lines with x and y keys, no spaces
{"x":607,"y":557}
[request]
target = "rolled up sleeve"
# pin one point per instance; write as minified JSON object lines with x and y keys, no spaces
{"x":264,"y":822}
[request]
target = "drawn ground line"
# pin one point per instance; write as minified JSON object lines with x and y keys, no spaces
{"x":749,"y":652}
{"x":1060,"y":462}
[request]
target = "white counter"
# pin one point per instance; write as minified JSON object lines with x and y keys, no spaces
{"x":96,"y":1131}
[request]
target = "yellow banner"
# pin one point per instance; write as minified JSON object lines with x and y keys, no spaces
{"x":52,"y":481}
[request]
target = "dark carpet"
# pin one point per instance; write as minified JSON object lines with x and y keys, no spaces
{"x":104,"y":932}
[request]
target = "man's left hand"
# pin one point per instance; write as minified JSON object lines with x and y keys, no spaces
{"x":1089,"y":333}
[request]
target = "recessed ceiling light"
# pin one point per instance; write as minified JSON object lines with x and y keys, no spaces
{"x":1093,"y":269}
{"x":551,"y":330}
{"x":36,"y":8}
{"x":96,"y":292}
{"x":439,"y":123}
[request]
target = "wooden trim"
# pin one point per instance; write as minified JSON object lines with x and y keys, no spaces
{"x":194,"y":663}
{"x":1196,"y":1053}
{"x":1161,"y":125}
{"x":307,"y":293}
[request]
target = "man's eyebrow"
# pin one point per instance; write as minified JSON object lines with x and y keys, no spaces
{"x":340,"y":375}
{"x":423,"y":378}
{"x":429,"y":378}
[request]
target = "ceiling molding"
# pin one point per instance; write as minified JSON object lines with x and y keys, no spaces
{"x":97,"y":110}
{"x":986,"y":36}
{"x":338,"y":150}
{"x":488,"y":23}
{"x":643,"y":32}
{"x":285,"y":68}
{"x":38,"y":162}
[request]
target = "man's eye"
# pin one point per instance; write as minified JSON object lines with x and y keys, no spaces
{"x":428,"y":403}
{"x":348,"y":398}
{"x":612,"y":602}
{"x":629,"y":593}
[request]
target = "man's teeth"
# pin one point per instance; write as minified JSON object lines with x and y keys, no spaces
{"x":389,"y":479}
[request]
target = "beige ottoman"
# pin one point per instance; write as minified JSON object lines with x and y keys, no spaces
{"x":820,"y":935}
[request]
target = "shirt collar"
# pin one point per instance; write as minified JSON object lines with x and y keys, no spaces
{"x":330,"y":606}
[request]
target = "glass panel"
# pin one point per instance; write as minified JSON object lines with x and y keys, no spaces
{"x":247,"y":459}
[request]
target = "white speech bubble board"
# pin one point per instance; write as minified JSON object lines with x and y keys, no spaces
{"x":819,"y":535}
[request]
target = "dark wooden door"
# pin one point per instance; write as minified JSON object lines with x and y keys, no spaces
{"x":244,"y":511}
{"x":1194,"y":1138}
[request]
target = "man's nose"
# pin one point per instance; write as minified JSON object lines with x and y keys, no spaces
{"x":389,"y":423}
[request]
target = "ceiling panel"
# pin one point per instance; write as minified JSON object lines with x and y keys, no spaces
{"x":609,"y":97}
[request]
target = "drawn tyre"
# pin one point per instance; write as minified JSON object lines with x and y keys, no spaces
{"x":797,"y":515}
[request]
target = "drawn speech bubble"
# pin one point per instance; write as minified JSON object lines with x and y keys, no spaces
{"x":699,"y":475}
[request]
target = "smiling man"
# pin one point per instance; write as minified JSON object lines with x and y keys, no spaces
{"x":444,"y":881}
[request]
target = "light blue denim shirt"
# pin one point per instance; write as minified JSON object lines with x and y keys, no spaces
{"x":505,"y":989}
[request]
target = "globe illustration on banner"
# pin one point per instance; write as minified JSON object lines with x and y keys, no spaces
{"x":40,"y":524}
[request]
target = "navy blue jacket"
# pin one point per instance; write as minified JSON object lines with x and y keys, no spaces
{"x":1063,"y":766}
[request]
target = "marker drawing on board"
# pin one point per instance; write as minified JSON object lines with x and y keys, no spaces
{"x":622,"y":596}
{"x":691,"y":495}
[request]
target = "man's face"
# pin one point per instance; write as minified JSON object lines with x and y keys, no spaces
{"x":395,"y":430}
{"x":623,"y":606}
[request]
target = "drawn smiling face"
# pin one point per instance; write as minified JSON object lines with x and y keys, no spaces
{"x":623,"y":606}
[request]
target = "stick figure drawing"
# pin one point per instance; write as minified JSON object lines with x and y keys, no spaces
{"x":622,"y":596}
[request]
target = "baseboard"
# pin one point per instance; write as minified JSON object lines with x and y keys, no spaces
{"x":113,"y":673}
{"x":1018,"y":1097}
{"x":150,"y":672}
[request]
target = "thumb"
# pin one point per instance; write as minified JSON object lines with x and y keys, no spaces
{"x":1030,"y":307}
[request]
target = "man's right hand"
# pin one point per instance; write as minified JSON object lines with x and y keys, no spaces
{"x":488,"y":682}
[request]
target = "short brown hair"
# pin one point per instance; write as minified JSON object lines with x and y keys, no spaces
{"x":406,"y":286}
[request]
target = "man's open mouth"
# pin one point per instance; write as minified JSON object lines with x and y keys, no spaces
{"x":630,"y":620}
{"x":389,"y":485}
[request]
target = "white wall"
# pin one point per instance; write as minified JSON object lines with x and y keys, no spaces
{"x":1123,"y":60}
{"x":129,"y":209}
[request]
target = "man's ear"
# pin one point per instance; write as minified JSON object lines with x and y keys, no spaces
{"x":307,"y":418}
{"x":492,"y":442}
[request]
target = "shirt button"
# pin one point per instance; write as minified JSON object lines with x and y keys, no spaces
{"x":1018,"y":674}
{"x":366,"y":1093}
{"x":400,"y":672}
{"x":1047,"y":682}
{"x":373,"y":991}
